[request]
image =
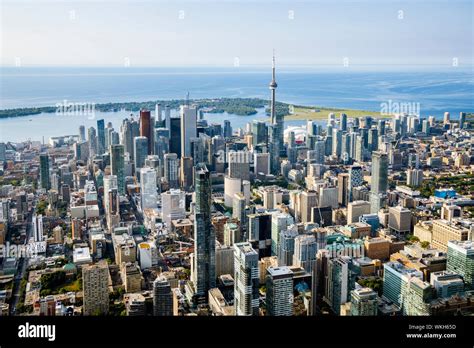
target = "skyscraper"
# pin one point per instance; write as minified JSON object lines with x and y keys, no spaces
{"x":162,"y":297}
{"x":204,"y":234}
{"x":171,"y":170}
{"x":273,"y":147}
{"x":148,"y":187}
{"x":44,"y":171}
{"x":188,"y":116}
{"x":246,"y":280}
{"x":95,"y":286}
{"x":141,"y":152}
{"x":461,"y":260}
{"x":462,"y":119}
{"x":279,"y":294}
{"x":147,"y":129}
{"x":305,"y":251}
{"x":343,"y":124}
{"x":100,"y":137}
{"x":117,"y":166}
{"x":129,"y":130}
{"x":379,"y":180}
{"x":82,"y":133}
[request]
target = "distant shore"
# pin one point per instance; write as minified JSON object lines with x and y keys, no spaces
{"x":236,"y":106}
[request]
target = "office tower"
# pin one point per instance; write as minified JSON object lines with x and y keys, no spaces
{"x":328,"y":197}
{"x":3,"y":152}
{"x":82,"y":133}
{"x":414,"y":161}
{"x":446,"y":119}
{"x":246,"y":280}
{"x":175,"y":136}
{"x":395,"y":280}
{"x":276,"y":119}
{"x":262,"y":163}
{"x":373,"y":139}
{"x":379,"y":180}
{"x":129,"y":131}
{"x":227,"y":129}
{"x":171,"y":170}
{"x":364,"y":302}
{"x":280,"y":222}
{"x":425,"y":127}
{"x":286,"y":246}
{"x":273,"y":148}
{"x":231,"y":234}
{"x":161,"y":142}
{"x":343,"y":189}
{"x":141,"y":152}
{"x":110,"y":183}
{"x":399,"y":220}
{"x":308,"y":200}
{"x":188,"y":117}
{"x":373,"y":221}
{"x":158,"y":113}
{"x":167,"y":117}
{"x":343,"y":122}
{"x":381,"y":127}
{"x":100,"y":137}
{"x":305,"y":251}
{"x":92,"y":141}
{"x":114,"y":138}
{"x":444,"y":231}
{"x":414,"y":177}
{"x":95,"y":279}
{"x":162,"y":297}
{"x":37,"y":222}
{"x":356,"y":178}
{"x":173,"y":204}
{"x":339,"y":284}
{"x":148,"y":188}
{"x":118,"y":166}
{"x":356,"y":209}
{"x":186,"y":176}
{"x":462,"y":119}
{"x":337,"y":142}
{"x":461,"y":260}
{"x":320,"y":151}
{"x":416,"y":295}
{"x":260,"y":233}
{"x":239,"y":165}
{"x":204,"y":234}
{"x":44,"y":171}
{"x":447,"y":284}
{"x":359,"y":149}
{"x":147,"y":129}
{"x":279,"y":292}
{"x":346,"y":148}
{"x":259,"y":132}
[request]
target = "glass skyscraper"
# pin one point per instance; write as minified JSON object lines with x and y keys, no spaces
{"x":204,"y":234}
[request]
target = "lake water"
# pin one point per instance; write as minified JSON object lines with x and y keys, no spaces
{"x":436,"y":91}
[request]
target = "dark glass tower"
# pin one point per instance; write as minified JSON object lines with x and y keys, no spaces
{"x":204,"y":234}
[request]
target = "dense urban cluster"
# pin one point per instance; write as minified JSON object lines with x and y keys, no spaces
{"x":173,"y":215}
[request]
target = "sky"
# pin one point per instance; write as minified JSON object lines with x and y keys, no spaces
{"x":115,"y":33}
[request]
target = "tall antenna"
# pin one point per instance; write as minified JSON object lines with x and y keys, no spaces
{"x":187,"y":98}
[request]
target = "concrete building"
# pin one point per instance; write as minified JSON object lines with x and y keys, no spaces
{"x":279,"y":293}
{"x":95,"y":284}
{"x":246,"y":277}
